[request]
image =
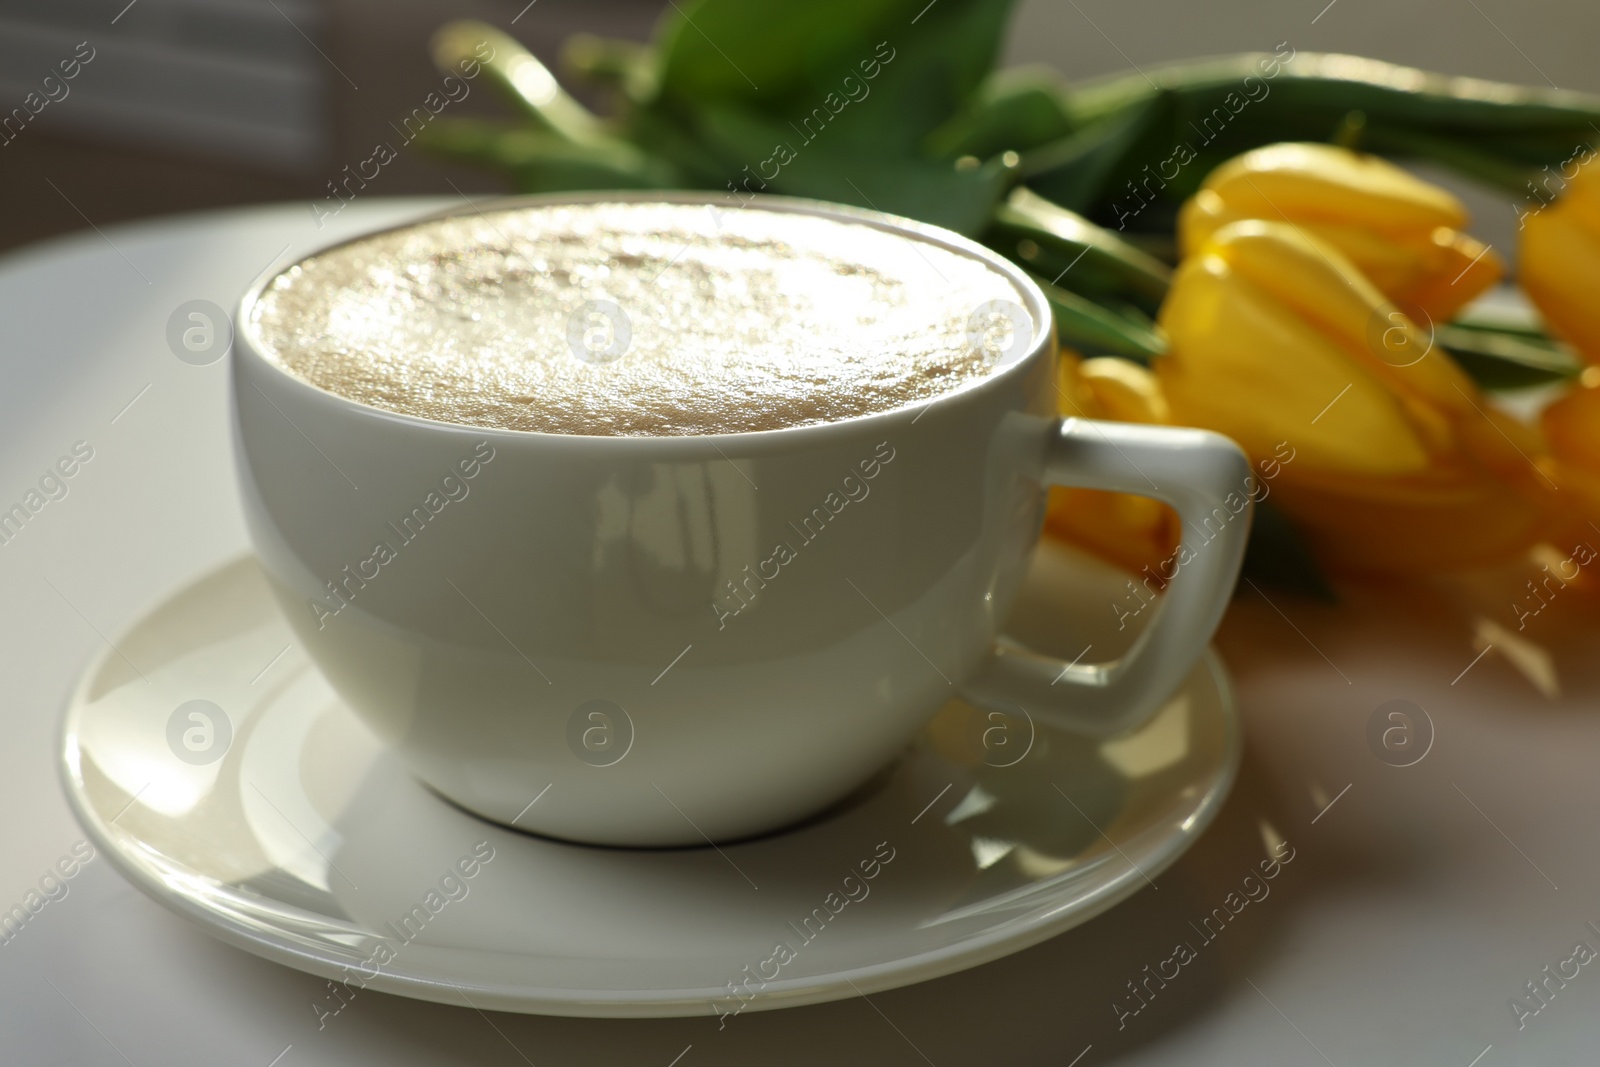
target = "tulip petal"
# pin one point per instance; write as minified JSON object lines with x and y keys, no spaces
{"x":1560,"y":271}
{"x":1572,"y":424}
{"x":1313,"y":182}
{"x":1322,"y":286}
{"x":1124,"y":391}
{"x":1244,"y":364}
{"x":1454,"y":269}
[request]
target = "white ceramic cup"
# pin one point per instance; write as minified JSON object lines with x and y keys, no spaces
{"x":670,"y":640}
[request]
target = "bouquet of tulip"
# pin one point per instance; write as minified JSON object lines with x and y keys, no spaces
{"x":1223,"y":243}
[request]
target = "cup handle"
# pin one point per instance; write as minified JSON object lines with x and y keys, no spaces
{"x":1192,"y":470}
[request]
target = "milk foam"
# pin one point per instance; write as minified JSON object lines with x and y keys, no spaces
{"x":638,"y":319}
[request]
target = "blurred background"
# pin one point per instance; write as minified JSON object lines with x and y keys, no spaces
{"x":187,"y":105}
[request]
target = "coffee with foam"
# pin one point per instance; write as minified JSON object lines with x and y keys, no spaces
{"x":640,"y":319}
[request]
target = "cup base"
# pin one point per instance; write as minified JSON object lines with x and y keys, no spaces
{"x":855,"y":798}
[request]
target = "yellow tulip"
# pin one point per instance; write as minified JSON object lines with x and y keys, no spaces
{"x":1560,"y":261}
{"x":1401,"y":232}
{"x":1414,"y":527}
{"x":1122,"y":391}
{"x":1571,"y":425}
{"x":1130,"y":531}
{"x":1276,"y":338}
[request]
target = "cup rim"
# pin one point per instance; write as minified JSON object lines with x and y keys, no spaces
{"x":246,"y":344}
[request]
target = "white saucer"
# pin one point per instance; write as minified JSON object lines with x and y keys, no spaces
{"x":303,"y":841}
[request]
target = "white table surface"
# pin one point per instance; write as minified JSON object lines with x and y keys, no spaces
{"x":1415,"y":907}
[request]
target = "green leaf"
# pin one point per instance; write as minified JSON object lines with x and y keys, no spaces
{"x":1306,"y":89}
{"x":702,"y":165}
{"x":933,"y":191}
{"x":519,"y":75}
{"x":1083,"y":169}
{"x":1463,"y":154}
{"x":624,"y":65}
{"x":1092,"y":329}
{"x":890,"y":70}
{"x":1507,"y":360}
{"x":1074,"y":253}
{"x":539,"y":161}
{"x":760,"y":55}
{"x":1014,"y":110}
{"x":1220,"y":108}
{"x":780,"y":161}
